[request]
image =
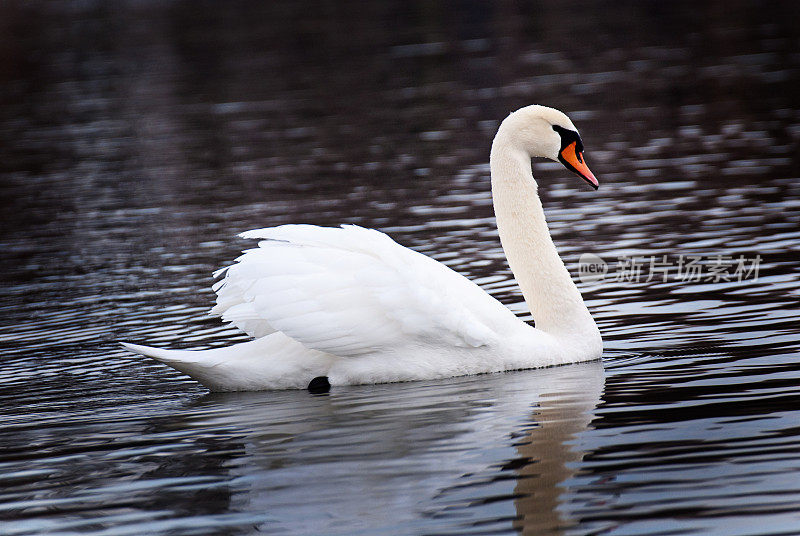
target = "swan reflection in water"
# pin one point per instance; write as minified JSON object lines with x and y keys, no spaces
{"x":402,"y":457}
{"x":549,"y":453}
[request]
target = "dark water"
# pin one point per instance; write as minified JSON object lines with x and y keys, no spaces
{"x":136,"y":140}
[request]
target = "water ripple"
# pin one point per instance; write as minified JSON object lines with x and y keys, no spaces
{"x":136,"y":142}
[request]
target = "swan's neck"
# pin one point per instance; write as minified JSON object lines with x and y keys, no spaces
{"x":554,"y":300}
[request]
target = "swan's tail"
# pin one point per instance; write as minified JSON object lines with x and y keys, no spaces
{"x":271,"y":362}
{"x":164,"y":355}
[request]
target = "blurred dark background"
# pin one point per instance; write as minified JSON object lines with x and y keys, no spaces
{"x":108,"y":106}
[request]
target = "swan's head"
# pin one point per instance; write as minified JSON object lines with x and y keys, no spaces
{"x":547,"y":133}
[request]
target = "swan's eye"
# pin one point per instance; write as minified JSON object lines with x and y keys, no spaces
{"x":568,"y":137}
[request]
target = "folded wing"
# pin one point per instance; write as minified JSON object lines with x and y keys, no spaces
{"x":350,"y":291}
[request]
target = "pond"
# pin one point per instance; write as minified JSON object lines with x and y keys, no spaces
{"x":137,"y":139}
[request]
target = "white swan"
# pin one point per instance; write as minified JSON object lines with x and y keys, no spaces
{"x":351,"y":305}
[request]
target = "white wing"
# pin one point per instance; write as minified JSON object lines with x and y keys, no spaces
{"x":350,"y":291}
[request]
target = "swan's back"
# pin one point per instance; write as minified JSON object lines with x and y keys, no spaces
{"x":352,"y":291}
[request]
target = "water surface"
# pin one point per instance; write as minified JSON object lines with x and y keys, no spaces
{"x":137,"y":139}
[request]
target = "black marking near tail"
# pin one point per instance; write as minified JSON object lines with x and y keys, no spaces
{"x":319,"y":385}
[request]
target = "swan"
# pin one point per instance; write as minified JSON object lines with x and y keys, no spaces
{"x":348,"y":305}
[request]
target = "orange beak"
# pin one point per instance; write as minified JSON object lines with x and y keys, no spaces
{"x":573,"y":161}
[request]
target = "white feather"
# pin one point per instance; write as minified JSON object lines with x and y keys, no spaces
{"x":350,"y":291}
